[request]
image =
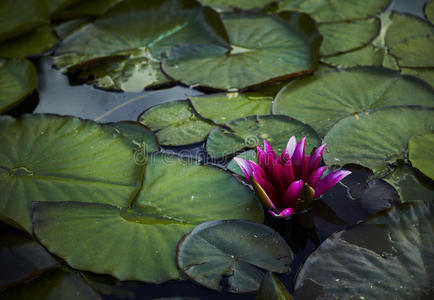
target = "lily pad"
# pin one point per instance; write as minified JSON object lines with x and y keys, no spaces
{"x":39,"y":41}
{"x":138,"y":134}
{"x":389,"y":256}
{"x":272,"y":288}
{"x":61,"y":284}
{"x":18,"y":78}
{"x":176,"y":123}
{"x":229,"y":5}
{"x":420,"y":150}
{"x":22,"y":257}
{"x":49,"y":158}
{"x":245,"y":133}
{"x":127,"y":56}
{"x":259,"y":48}
{"x":346,"y":36}
{"x":66,"y":28}
{"x":55,"y":5}
{"x":429,"y":11}
{"x":415,"y":52}
{"x":88,"y":235}
{"x":323,"y":99}
{"x":84,"y":9}
{"x":426,"y":75}
{"x":224,"y":107}
{"x":235,"y":249}
{"x":21,"y":16}
{"x":376,"y":139}
{"x":336,"y":10}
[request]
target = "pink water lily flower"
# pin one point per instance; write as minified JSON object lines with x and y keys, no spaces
{"x":289,"y":182}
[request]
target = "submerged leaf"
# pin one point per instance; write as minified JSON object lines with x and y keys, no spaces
{"x":421,"y":149}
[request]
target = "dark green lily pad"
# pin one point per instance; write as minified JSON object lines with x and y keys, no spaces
{"x":22,"y":257}
{"x":229,"y":5}
{"x":21,"y":16}
{"x":84,"y":9}
{"x":55,"y":5}
{"x":138,"y":134}
{"x":376,"y":139}
{"x":88,"y":235}
{"x":260,"y":48}
{"x":323,"y":99}
{"x":176,"y":123}
{"x":250,"y":132}
{"x":421,"y":149}
{"x":61,"y":284}
{"x":429,"y":11}
{"x":49,"y":158}
{"x":272,"y":288}
{"x":425,"y":74}
{"x":127,"y":56}
{"x":410,"y":183}
{"x":235,"y":249}
{"x":389,"y":256}
{"x":39,"y":41}
{"x":224,"y":107}
{"x":247,"y":155}
{"x":66,"y":28}
{"x":336,"y":10}
{"x":18,"y":78}
{"x":415,"y":52}
{"x":346,"y":36}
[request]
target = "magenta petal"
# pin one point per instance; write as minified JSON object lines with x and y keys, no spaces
{"x":292,"y":193}
{"x":279,"y":176}
{"x":297,"y":158}
{"x":316,"y":158}
{"x":268,"y":149}
{"x":258,"y":172}
{"x":329,"y":181}
{"x":315,"y":177}
{"x":245,"y":167}
{"x":283,"y":214}
{"x":289,"y":171}
{"x":305,"y":168}
{"x":289,"y":150}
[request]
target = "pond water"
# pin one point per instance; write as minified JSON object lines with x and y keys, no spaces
{"x":342,"y":207}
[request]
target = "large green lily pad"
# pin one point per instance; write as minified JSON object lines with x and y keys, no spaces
{"x":55,"y":5}
{"x":421,"y":149}
{"x":376,"y":139}
{"x":21,"y":16}
{"x":41,"y":40}
{"x":260,"y":48}
{"x":250,"y":132}
{"x":429,"y":11}
{"x":425,"y":74}
{"x":60,"y":284}
{"x":138,"y":134}
{"x":18,"y":78}
{"x":235,"y":249}
{"x":336,"y":10}
{"x":84,"y":9}
{"x":389,"y":256}
{"x":22,"y":257}
{"x":139,"y":243}
{"x":49,"y":158}
{"x":415,"y":52}
{"x":176,"y":123}
{"x":230,"y":5}
{"x":121,"y":49}
{"x":323,"y":99}
{"x":346,"y":36}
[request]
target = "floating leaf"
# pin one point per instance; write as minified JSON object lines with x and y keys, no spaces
{"x":410,"y":183}
{"x":234,"y":249}
{"x":346,"y":36}
{"x":56,"y":285}
{"x":336,"y":10}
{"x":420,"y":150}
{"x":249,"y":132}
{"x":68,"y":27}
{"x":84,"y":9}
{"x":272,"y":288}
{"x":429,"y":11}
{"x":127,"y":56}
{"x":49,"y":158}
{"x":21,"y":16}
{"x":415,"y":52}
{"x":221,"y":108}
{"x":88,"y":235}
{"x":228,"y":5}
{"x":176,"y":123}
{"x":138,"y":134}
{"x":376,"y":139}
{"x":36,"y":42}
{"x":55,"y":5}
{"x":323,"y":99}
{"x":425,"y":74}
{"x":260,"y":48}
{"x":22,"y":257}
{"x":387,"y":257}
{"x":18,"y":78}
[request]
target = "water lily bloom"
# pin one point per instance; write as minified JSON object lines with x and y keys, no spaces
{"x":288,"y":182}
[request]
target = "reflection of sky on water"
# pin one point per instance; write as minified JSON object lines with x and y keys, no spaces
{"x":58,"y":97}
{"x":414,"y":7}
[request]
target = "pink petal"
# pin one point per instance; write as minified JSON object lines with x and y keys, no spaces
{"x":315,"y":177}
{"x":329,"y":181}
{"x":265,"y":160}
{"x":292,"y":193}
{"x":289,"y":150}
{"x":268,"y":149}
{"x":289,"y":171}
{"x":305,"y":168}
{"x":258,"y":172}
{"x":316,"y":158}
{"x":245,"y":167}
{"x":279,"y":176}
{"x":284,"y":213}
{"x":265,"y":192}
{"x":297,"y":158}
